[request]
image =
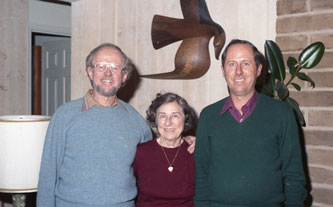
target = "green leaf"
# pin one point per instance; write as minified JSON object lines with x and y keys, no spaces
{"x":282,"y":90}
{"x":305,"y":77}
{"x":297,"y":110}
{"x":311,"y":55}
{"x":275,"y":60}
{"x":296,"y":86}
{"x":291,"y":63}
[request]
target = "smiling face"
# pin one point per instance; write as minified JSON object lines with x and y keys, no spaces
{"x":107,"y":83}
{"x":240,"y":71}
{"x":170,"y":120}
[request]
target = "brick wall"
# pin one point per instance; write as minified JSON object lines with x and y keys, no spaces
{"x":299,"y":23}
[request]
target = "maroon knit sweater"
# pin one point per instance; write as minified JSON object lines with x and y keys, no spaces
{"x":159,"y":187}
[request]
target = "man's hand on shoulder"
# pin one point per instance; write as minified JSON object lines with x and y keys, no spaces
{"x":191,"y":141}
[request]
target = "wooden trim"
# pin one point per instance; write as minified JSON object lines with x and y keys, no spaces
{"x":37,"y":81}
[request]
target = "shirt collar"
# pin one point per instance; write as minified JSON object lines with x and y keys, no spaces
{"x":90,"y":102}
{"x":251,"y":103}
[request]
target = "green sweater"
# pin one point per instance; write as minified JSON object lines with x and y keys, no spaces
{"x":254,"y":163}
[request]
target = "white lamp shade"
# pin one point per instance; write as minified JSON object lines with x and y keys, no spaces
{"x":21,"y":145}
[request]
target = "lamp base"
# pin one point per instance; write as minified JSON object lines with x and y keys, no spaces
{"x":19,"y":199}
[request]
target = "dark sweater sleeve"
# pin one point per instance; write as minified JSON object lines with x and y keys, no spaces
{"x":292,"y":165}
{"x":201,"y":155}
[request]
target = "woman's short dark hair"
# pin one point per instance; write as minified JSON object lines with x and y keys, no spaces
{"x":190,"y":117}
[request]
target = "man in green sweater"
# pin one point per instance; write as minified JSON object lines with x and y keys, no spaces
{"x":247,"y":152}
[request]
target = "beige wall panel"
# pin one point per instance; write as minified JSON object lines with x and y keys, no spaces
{"x":14,"y":17}
{"x":254,"y":26}
{"x":128,"y":24}
{"x":107,"y":21}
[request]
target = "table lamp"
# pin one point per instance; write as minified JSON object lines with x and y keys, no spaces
{"x":21,"y":146}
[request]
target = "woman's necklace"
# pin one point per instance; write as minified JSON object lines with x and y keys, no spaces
{"x":170,"y":168}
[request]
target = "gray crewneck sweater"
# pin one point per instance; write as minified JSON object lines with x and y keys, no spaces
{"x":88,"y":156}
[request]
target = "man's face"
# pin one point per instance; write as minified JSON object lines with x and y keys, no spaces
{"x":240,"y":70}
{"x":107,"y":83}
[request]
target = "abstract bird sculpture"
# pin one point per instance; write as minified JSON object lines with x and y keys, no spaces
{"x":192,"y":59}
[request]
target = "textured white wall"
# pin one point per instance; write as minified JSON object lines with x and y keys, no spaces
{"x":14,"y":17}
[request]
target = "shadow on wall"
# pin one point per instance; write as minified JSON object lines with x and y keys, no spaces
{"x":127,"y":92}
{"x":309,"y":199}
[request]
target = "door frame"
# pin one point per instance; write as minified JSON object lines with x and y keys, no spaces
{"x":62,"y":31}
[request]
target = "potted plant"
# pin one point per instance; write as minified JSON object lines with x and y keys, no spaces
{"x":276,"y":84}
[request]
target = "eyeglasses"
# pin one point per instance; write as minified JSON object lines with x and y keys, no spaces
{"x":101,"y":67}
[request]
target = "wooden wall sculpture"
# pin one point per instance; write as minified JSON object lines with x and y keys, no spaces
{"x":192,"y":59}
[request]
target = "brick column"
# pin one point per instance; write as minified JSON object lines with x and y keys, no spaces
{"x":299,"y":23}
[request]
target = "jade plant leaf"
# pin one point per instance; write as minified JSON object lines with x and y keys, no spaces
{"x":291,"y":63}
{"x":296,"y":86}
{"x":297,"y":110}
{"x":311,"y":55}
{"x":275,"y":60}
{"x":305,"y":77}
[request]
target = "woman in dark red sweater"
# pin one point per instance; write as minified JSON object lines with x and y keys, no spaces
{"x":163,"y":167}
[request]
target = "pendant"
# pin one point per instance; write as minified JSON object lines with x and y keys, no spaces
{"x":170,"y":168}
